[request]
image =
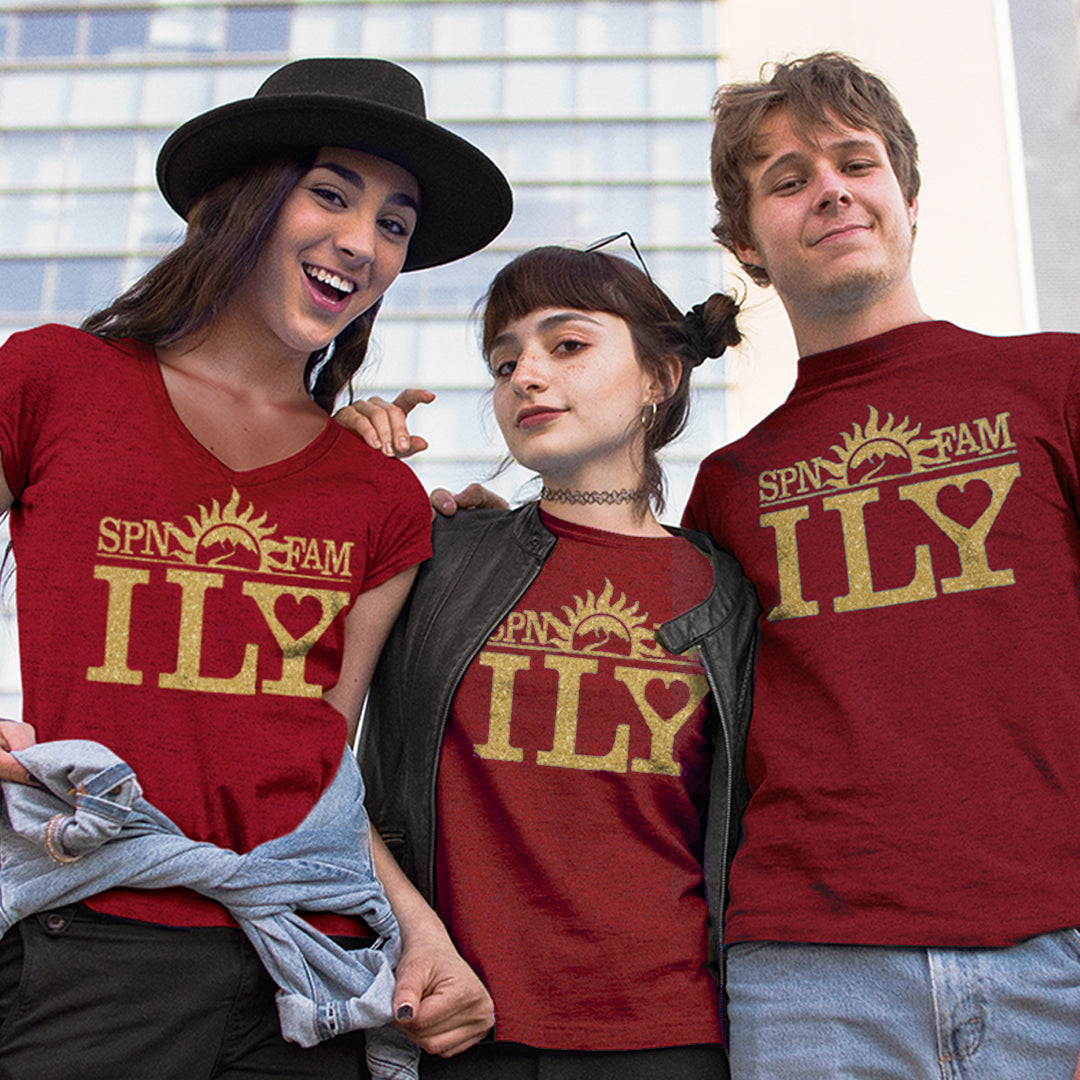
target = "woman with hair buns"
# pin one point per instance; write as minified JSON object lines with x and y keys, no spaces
{"x":553,"y":740}
{"x":208,"y":567}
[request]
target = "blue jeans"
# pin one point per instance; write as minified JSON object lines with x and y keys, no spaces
{"x":845,"y":1012}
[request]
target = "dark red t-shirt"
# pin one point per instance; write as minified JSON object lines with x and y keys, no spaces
{"x":183,"y":614}
{"x":572,"y":780}
{"x":909,"y":517}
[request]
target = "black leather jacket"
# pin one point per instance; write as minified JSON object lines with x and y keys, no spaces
{"x":484,"y":561}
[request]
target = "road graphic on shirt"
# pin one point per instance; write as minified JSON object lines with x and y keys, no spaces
{"x":221,"y":545}
{"x":871,"y":463}
{"x":598,"y":636}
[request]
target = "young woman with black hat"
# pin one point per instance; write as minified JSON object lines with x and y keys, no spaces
{"x":554,"y":737}
{"x":208,"y":566}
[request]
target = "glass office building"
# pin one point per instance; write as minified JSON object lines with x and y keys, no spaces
{"x":597,"y":111}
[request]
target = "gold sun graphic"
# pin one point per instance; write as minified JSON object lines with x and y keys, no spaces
{"x":226,"y":536}
{"x":599,"y":625}
{"x":877,"y":451}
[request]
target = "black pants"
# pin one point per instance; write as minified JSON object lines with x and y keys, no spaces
{"x":511,"y":1061}
{"x":88,"y":997}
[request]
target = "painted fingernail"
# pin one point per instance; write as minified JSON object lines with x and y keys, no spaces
{"x":405,"y":1012}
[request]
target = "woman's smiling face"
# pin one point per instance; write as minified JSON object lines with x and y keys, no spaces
{"x":339,"y":241}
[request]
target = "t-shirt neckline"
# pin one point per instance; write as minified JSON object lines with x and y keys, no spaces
{"x":572,"y":530}
{"x":301,"y":459}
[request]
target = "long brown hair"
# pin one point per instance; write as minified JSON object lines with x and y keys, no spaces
{"x":559,"y":277}
{"x":227,"y":230}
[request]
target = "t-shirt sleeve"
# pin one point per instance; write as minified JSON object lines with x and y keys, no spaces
{"x":1072,"y":408}
{"x":699,"y":507}
{"x":694,"y":514}
{"x":403,"y":536}
{"x":27,"y":381}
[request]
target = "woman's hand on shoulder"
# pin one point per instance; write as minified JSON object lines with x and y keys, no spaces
{"x":440,"y":1002}
{"x":15,"y":736}
{"x":383,"y":425}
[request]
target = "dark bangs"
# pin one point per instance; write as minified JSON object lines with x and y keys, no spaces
{"x":559,"y":277}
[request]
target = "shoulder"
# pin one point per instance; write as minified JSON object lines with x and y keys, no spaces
{"x":1013,"y":348}
{"x":61,"y":338}
{"x":720,"y":471}
{"x":57,"y":351}
{"x":52,"y":361}
{"x":350,"y":453}
{"x":1041,"y":369}
{"x":485,"y":546}
{"x":1041,"y":339}
{"x":344,"y":484}
{"x":472,"y":527}
{"x":1051,"y":344}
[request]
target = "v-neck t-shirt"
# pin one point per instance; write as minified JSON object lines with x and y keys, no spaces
{"x":187,"y":615}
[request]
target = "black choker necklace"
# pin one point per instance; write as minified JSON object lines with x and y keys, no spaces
{"x":605,"y":498}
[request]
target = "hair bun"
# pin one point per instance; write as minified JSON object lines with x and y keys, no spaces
{"x":711,"y":327}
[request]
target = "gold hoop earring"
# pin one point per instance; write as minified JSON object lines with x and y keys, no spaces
{"x":648,"y":416}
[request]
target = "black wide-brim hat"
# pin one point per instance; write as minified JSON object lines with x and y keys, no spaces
{"x":360,"y":104}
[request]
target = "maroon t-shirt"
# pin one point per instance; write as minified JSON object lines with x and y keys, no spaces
{"x":909,"y":517}
{"x":183,"y":614}
{"x":573,"y":777}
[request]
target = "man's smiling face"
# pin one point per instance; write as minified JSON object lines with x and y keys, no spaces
{"x":828,"y":219}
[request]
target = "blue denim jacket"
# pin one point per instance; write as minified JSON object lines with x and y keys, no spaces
{"x":88,"y":828}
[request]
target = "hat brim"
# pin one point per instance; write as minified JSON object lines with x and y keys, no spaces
{"x":465,"y":201}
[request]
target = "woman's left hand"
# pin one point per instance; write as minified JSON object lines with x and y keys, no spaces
{"x":440,"y":1002}
{"x":15,"y":736}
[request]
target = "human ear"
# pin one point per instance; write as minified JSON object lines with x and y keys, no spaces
{"x":667,"y":381}
{"x":749,"y":255}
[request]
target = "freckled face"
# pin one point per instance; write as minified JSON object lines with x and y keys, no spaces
{"x":568,"y":397}
{"x":829,"y":221}
{"x":339,"y":241}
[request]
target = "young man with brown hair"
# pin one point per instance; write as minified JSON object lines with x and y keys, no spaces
{"x":903,"y":896}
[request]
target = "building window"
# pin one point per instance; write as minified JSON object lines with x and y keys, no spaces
{"x":85,"y":285}
{"x":257,"y":29}
{"x":31,"y":159}
{"x":47,"y":34}
{"x":21,"y":284}
{"x":104,"y":98}
{"x":199,"y":29}
{"x":115,"y":33}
